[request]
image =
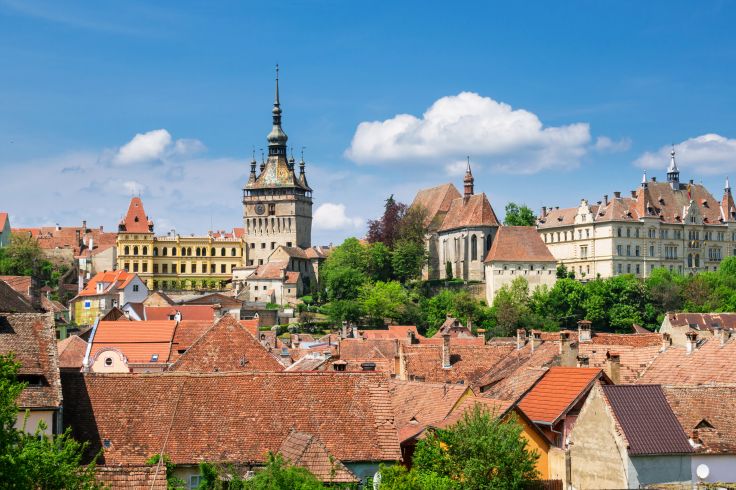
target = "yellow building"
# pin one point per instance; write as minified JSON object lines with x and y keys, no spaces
{"x":177,"y":262}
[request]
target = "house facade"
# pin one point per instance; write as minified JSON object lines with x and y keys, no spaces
{"x":105,"y":291}
{"x":679,"y":226}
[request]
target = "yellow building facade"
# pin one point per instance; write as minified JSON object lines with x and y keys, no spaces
{"x":177,"y":262}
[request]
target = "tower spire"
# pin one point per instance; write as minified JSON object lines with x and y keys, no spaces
{"x":728,"y":185}
{"x":673,"y":174}
{"x":644,"y":179}
{"x":468,"y":181}
{"x":277,"y":138}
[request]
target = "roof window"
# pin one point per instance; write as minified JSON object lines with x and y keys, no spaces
{"x":154,"y":358}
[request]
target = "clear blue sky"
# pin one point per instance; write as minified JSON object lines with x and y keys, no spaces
{"x":560,"y":101}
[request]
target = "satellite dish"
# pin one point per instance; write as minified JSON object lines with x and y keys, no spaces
{"x":702,"y":471}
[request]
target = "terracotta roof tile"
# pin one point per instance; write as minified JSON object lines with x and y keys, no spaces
{"x":636,"y":352}
{"x":188,"y":312}
{"x":138,"y":341}
{"x":646,"y":419}
{"x":131,"y":477}
{"x":436,"y":201}
{"x":709,"y":363}
{"x":22,"y":284}
{"x":307,"y":451}
{"x":31,"y":337}
{"x":71,"y":352}
{"x":520,"y":362}
{"x":698,"y":321}
{"x":476,"y":211}
{"x":11,"y":301}
{"x":226,"y":346}
{"x":556,"y":392}
{"x":186,"y":332}
{"x":518,"y":244}
{"x":400,"y":332}
{"x":135,"y":220}
{"x":495,"y":407}
{"x":418,"y":404}
{"x":706,"y":415}
{"x":3,"y":220}
{"x":112,"y":280}
{"x":230,"y":417}
{"x":468,"y":362}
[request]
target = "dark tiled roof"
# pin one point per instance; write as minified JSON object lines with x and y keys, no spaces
{"x":467,"y":362}
{"x":31,"y":337}
{"x":307,"y":451}
{"x":646,"y":419}
{"x":11,"y":301}
{"x":518,"y":244}
{"x":229,"y":417}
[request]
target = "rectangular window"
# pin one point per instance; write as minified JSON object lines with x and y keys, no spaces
{"x":263,"y":245}
{"x":651,"y":250}
{"x":222,"y":268}
{"x":126,"y":266}
{"x":628,"y":250}
{"x":584,"y":252}
{"x":87,"y":305}
{"x":173,"y":268}
{"x":619,"y":250}
{"x":135,"y":266}
{"x":155,"y":268}
{"x":620,"y":268}
{"x":273,"y":245}
{"x":145,"y":266}
{"x":194,"y":268}
{"x":212,"y":268}
{"x":135,"y":288}
{"x":288,"y":244}
{"x":183,"y":268}
{"x":637,"y":268}
{"x":636,"y":251}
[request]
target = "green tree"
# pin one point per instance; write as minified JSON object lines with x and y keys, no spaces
{"x":511,"y":306}
{"x":37,"y":460}
{"x":341,"y":310}
{"x":279,"y":475}
{"x":519,"y":215}
{"x":481,"y":451}
{"x":413,"y":225}
{"x":408,"y":259}
{"x":383,"y":300}
{"x":378,"y":262}
{"x":167,"y":467}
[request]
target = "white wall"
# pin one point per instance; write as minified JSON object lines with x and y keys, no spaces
{"x":722,"y":467}
{"x":34,"y":417}
{"x":499,"y":274}
{"x":131,"y":296}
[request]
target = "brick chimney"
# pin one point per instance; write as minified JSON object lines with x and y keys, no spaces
{"x":725,"y":335}
{"x":412,"y":338}
{"x":666,"y":342}
{"x":520,"y":338}
{"x":446,"y":351}
{"x":344,"y":330}
{"x":536,"y":339}
{"x":691,"y":342}
{"x":543,"y":214}
{"x":568,"y":352}
{"x":585,"y":332}
{"x":613,"y":367}
{"x":617,"y":194}
{"x":402,"y":363}
{"x":355,"y":332}
{"x":35,"y":290}
{"x":605,"y":199}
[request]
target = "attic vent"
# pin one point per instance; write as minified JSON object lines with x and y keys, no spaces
{"x":704,"y":424}
{"x":106,"y":443}
{"x":136,"y":219}
{"x":154,"y":358}
{"x":243,"y":361}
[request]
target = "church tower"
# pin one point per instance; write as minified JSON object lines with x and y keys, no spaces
{"x":277,"y":203}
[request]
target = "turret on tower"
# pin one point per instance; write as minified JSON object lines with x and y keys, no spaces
{"x":468,"y":182}
{"x":673,"y":174}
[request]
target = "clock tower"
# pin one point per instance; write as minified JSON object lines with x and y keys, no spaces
{"x":277,"y":203}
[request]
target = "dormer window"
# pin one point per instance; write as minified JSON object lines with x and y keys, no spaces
{"x":154,"y":358}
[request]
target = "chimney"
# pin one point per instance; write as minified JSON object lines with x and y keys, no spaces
{"x":520,"y":338}
{"x":617,"y":194}
{"x":725,"y":335}
{"x":35,"y":291}
{"x":584,"y":331}
{"x":536,"y":339}
{"x":402,"y":363}
{"x":605,"y":199}
{"x":177,"y":316}
{"x":543,"y":214}
{"x":355,"y":332}
{"x":102,"y":228}
{"x":633,"y":194}
{"x":654,"y":179}
{"x":568,"y":353}
{"x":613,"y":367}
{"x":666,"y":341}
{"x":344,"y":331}
{"x":583,"y":361}
{"x":91,"y":244}
{"x":446,"y":351}
{"x":84,"y":226}
{"x":692,"y":341}
{"x":412,"y":337}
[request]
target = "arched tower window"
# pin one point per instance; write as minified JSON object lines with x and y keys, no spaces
{"x":222,"y":252}
{"x":232,"y":252}
{"x":173,"y":251}
{"x":474,"y":248}
{"x":198,"y":251}
{"x":126,"y":250}
{"x":213,"y":252}
{"x":145,"y":250}
{"x":204,"y":251}
{"x":135,"y":250}
{"x":189,"y":251}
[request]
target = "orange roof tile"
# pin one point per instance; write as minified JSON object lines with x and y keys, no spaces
{"x":138,"y":341}
{"x":113,"y":279}
{"x":556,"y":392}
{"x":518,"y":244}
{"x":135,"y":220}
{"x":709,"y":363}
{"x":495,"y":407}
{"x":418,"y":404}
{"x":3,"y":221}
{"x":188,"y":312}
{"x":436,"y":202}
{"x":307,"y":451}
{"x":468,"y":362}
{"x":476,"y":211}
{"x":71,"y":352}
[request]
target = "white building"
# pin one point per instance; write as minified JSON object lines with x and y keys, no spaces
{"x":518,"y":251}
{"x":681,"y":227}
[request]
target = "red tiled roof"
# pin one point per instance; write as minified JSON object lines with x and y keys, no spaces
{"x":646,"y":420}
{"x":138,"y":341}
{"x":186,"y":332}
{"x":706,"y":415}
{"x":3,"y":221}
{"x":307,"y":451}
{"x":135,"y":220}
{"x":226,"y":346}
{"x":188,"y":312}
{"x":436,"y":201}
{"x":400,"y":332}
{"x":709,"y":363}
{"x":700,"y":321}
{"x":31,"y":337}
{"x":468,"y":362}
{"x":476,"y":211}
{"x":22,"y":284}
{"x":418,"y":404}
{"x":114,"y":279}
{"x":556,"y":392}
{"x":71,"y":352}
{"x":131,"y":477}
{"x":518,"y":244}
{"x":517,"y":362}
{"x":269,"y":270}
{"x":636,"y":352}
{"x":494,"y":407}
{"x":230,"y":417}
{"x":628,"y":339}
{"x":11,"y":301}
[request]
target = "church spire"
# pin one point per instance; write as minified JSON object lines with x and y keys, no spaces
{"x":728,"y":186}
{"x":673,"y":174}
{"x":468,"y":181}
{"x":277,"y":138}
{"x":644,"y":179}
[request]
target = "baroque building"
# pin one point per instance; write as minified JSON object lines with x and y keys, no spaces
{"x":176,"y":261}
{"x":460,"y":229}
{"x":679,"y":226}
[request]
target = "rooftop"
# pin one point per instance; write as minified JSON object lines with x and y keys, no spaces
{"x":556,"y":392}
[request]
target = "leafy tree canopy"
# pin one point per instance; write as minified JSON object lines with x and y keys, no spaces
{"x":519,"y":215}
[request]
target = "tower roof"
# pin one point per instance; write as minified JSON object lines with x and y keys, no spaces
{"x":135,"y":220}
{"x":277,"y":137}
{"x":673,"y":165}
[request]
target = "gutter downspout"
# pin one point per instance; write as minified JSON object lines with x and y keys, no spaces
{"x":85,"y":361}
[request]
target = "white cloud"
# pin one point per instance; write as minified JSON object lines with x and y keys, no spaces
{"x":606,"y":144}
{"x":458,"y":167}
{"x":331,"y":216}
{"x":511,"y":140}
{"x":708,"y":154}
{"x":155,"y":145}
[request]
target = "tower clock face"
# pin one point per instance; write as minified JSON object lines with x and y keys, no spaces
{"x":260,"y":208}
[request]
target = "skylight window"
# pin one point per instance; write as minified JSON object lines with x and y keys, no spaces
{"x":154,"y":358}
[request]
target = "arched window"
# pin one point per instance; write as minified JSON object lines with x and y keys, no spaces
{"x":198,"y":251}
{"x":474,"y":248}
{"x":697,"y":260}
{"x":145,"y":250}
{"x":189,"y":251}
{"x":166,"y":252}
{"x":173,"y":251}
{"x":213,"y":252}
{"x":155,"y":251}
{"x":222,"y":252}
{"x":127,"y":250}
{"x":204,"y":251}
{"x":135,"y":250}
{"x":232,"y":252}
{"x":689,"y":260}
